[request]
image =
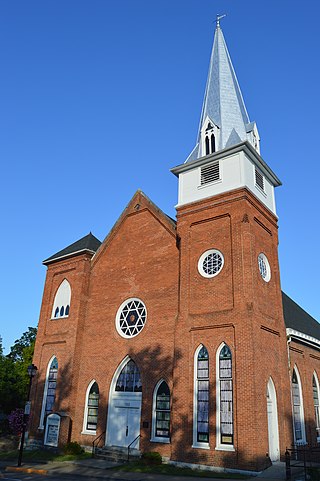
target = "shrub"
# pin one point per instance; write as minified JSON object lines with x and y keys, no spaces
{"x":73,"y":448}
{"x":15,"y":419}
{"x":151,"y":458}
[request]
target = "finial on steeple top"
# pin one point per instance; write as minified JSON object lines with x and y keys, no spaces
{"x":219,"y":17}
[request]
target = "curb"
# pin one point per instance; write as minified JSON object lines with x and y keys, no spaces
{"x":13,"y":469}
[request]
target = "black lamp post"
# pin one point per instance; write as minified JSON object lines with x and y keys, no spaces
{"x":32,"y":369}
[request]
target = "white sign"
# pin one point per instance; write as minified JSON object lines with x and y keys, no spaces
{"x":51,"y":436}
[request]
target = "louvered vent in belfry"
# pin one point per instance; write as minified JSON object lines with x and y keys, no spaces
{"x":210,"y":173}
{"x":259,"y":179}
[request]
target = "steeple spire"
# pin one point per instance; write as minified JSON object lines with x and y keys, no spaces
{"x":224,"y":119}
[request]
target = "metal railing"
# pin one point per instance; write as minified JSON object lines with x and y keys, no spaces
{"x":135,"y":439}
{"x":95,"y":443}
{"x":300,"y":459}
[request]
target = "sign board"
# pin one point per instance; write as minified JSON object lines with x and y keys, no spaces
{"x":27,"y":408}
{"x":51,"y":436}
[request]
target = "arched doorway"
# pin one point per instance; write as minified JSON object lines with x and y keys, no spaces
{"x":273,"y":430}
{"x":123,"y":424}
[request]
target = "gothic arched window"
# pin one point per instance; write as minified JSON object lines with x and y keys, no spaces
{"x":61,"y":304}
{"x":129,"y":378}
{"x":49,"y":392}
{"x":315,"y":389}
{"x":224,"y":397}
{"x":161,"y":412}
{"x":298,"y":417}
{"x":201,"y":408}
{"x":91,"y":408}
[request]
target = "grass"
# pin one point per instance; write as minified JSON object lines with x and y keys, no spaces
{"x":169,"y":469}
{"x":39,"y":455}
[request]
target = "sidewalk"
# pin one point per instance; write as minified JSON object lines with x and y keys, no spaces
{"x":99,"y":468}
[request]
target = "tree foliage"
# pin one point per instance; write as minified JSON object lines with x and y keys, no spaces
{"x":14,"y":379}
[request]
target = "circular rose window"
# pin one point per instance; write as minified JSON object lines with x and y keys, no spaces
{"x":131,"y":317}
{"x":210,"y":263}
{"x":264,"y":267}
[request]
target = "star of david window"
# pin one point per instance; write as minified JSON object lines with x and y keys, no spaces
{"x":210,"y":263}
{"x":131,"y":318}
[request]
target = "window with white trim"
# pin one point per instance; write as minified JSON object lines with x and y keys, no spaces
{"x":315,"y":389}
{"x":225,"y":397}
{"x":210,"y":263}
{"x":201,"y":418}
{"x":298,"y":418}
{"x":131,"y":317}
{"x":49,"y":392}
{"x":61,"y":304}
{"x":92,"y":406}
{"x":161,"y":413}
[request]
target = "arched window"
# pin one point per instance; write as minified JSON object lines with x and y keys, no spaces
{"x":61,"y":304}
{"x":224,"y":397}
{"x":49,"y":392}
{"x":201,"y":401}
{"x":213,"y":143}
{"x":129,"y":378}
{"x":161,"y":413}
{"x":91,"y":409}
{"x":298,"y":418}
{"x":315,"y":388}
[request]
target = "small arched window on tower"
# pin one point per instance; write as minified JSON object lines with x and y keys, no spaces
{"x":210,"y":140}
{"x":49,"y":392}
{"x":61,"y":304}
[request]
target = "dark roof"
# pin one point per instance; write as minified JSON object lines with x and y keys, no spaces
{"x":298,"y":319}
{"x":87,"y":243}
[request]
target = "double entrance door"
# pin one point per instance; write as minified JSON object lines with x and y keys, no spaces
{"x":123,"y":425}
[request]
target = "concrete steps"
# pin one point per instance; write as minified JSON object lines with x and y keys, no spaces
{"x":116,"y":454}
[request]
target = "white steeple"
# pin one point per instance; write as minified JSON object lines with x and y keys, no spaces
{"x":224,"y":120}
{"x":227,"y":154}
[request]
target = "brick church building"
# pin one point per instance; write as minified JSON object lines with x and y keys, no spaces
{"x":174,"y":335}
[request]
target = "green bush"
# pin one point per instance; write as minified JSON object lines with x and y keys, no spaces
{"x":73,"y":448}
{"x":314,"y":474}
{"x":151,"y":458}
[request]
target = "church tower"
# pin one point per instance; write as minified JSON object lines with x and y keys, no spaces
{"x":230,"y":321}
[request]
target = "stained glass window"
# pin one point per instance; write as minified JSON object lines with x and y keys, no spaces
{"x":131,"y":318}
{"x":296,"y":398}
{"x":163,"y":411}
{"x":316,"y":405}
{"x":203,"y":396}
{"x":51,"y":386}
{"x":226,"y":396}
{"x":129,"y":378}
{"x":93,"y":404}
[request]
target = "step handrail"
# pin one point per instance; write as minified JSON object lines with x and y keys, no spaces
{"x":139,"y":436}
{"x":96,"y":441}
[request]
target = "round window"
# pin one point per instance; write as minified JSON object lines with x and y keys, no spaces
{"x":210,"y":263}
{"x":131,"y":317}
{"x":264,"y":267}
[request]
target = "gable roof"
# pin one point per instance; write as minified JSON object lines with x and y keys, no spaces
{"x":298,"y":319}
{"x":88,"y":243}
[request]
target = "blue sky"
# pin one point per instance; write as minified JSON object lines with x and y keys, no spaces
{"x":102,"y":97}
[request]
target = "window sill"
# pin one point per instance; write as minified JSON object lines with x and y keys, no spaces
{"x":160,"y":440}
{"x":59,"y":317}
{"x":203,"y":186}
{"x":301,"y":443}
{"x":201,"y":446}
{"x":260,"y":190}
{"x":225,"y":448}
{"x":91,"y":433}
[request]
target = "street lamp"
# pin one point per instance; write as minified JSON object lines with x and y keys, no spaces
{"x":32,"y":370}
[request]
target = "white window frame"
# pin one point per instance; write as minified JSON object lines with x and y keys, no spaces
{"x":66,"y":298}
{"x":201,"y":260}
{"x":216,"y":132}
{"x":219,"y":445}
{"x":264,"y":259}
{"x":195,"y":442}
{"x":85,"y":414}
{"x":302,"y":441}
{"x":318,"y":389}
{"x":155,"y":438}
{"x":45,"y":391}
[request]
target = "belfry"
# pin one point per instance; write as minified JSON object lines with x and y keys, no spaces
{"x":180,"y":340}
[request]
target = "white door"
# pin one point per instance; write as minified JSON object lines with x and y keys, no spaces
{"x":273,"y":431}
{"x":124,"y":426}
